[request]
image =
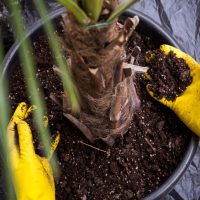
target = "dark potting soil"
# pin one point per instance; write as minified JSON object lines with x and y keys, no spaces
{"x":170,"y":75}
{"x":135,"y":166}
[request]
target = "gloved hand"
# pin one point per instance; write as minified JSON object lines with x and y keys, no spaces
{"x":32,"y":174}
{"x":187,"y":105}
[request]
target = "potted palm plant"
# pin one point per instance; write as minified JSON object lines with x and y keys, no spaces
{"x":103,"y":54}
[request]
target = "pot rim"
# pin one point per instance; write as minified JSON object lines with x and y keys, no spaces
{"x":169,"y":184}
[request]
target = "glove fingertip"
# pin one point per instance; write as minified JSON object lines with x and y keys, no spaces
{"x":20,"y":111}
{"x":149,"y":90}
{"x":165,"y":48}
{"x":147,"y":76}
{"x":29,"y":110}
{"x":54,"y":145}
{"x":45,"y":121}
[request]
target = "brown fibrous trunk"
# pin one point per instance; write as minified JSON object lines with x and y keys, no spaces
{"x":97,"y":59}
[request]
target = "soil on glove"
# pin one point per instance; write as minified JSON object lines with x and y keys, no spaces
{"x":170,"y":75}
{"x":136,"y":165}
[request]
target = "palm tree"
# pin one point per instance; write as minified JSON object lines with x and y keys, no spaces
{"x":95,"y":44}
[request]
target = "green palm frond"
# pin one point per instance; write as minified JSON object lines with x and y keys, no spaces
{"x":4,"y":119}
{"x":121,"y":8}
{"x":60,"y":61}
{"x":73,"y":7}
{"x":93,"y":8}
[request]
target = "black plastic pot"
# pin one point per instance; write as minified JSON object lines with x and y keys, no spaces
{"x":162,"y":37}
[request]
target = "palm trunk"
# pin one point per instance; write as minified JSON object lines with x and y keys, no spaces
{"x":108,"y":96}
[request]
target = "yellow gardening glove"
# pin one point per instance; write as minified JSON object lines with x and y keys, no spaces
{"x":187,"y":105}
{"x":32,"y":174}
